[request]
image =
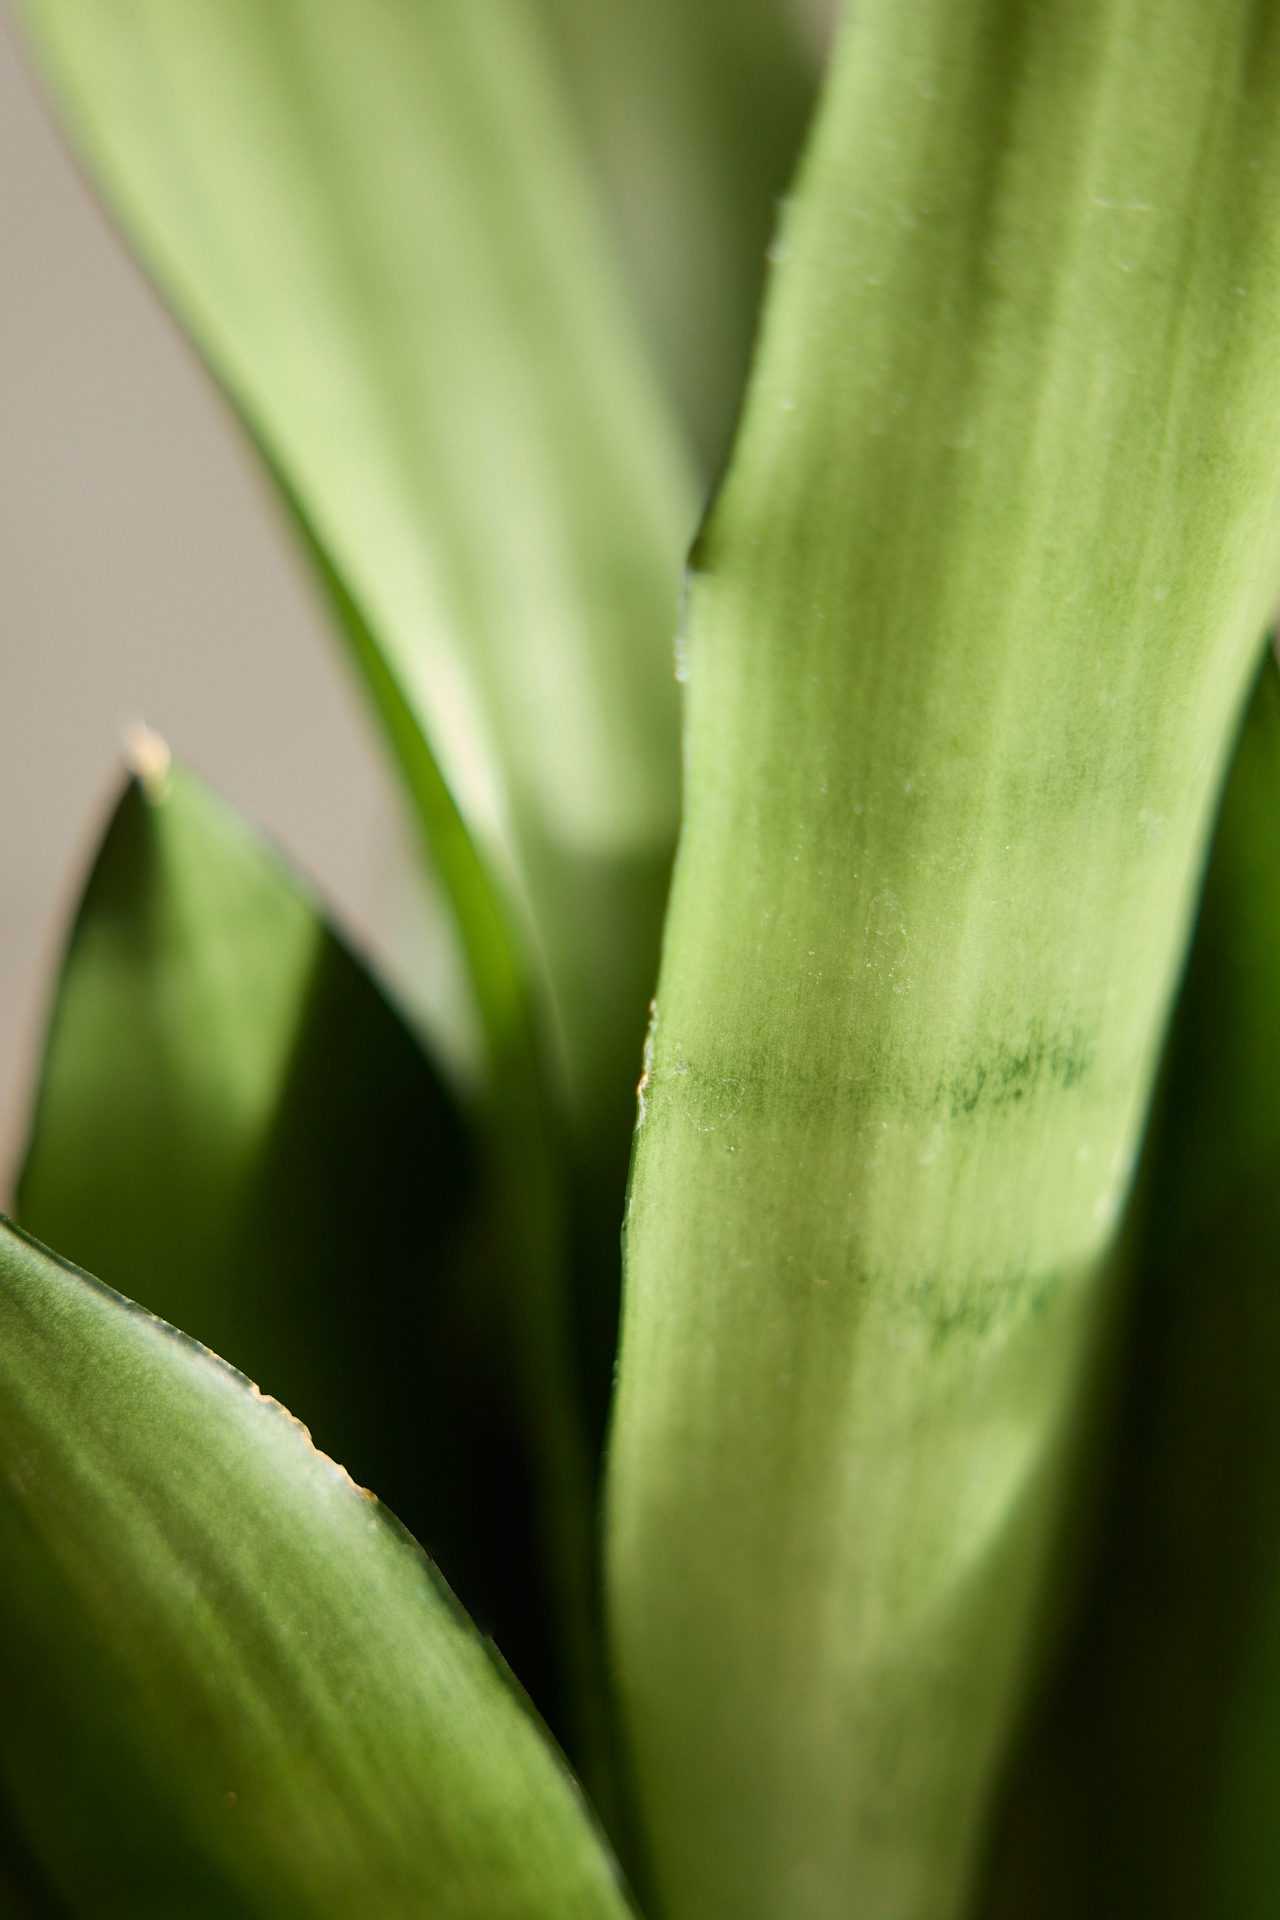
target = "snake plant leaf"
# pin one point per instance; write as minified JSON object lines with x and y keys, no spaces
{"x":970,"y":630}
{"x":1147,"y":1786}
{"x":497,"y":978}
{"x":233,"y":1123}
{"x":553,"y":1234}
{"x":553,"y":1228}
{"x":222,"y":1081}
{"x":231,"y":1685}
{"x":694,"y":111}
{"x":374,"y":220}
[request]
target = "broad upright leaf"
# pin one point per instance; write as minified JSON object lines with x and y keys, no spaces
{"x":234,"y":1125}
{"x":694,"y":111}
{"x":374,"y":221}
{"x":229,"y":1685}
{"x":969,"y":632}
{"x":1149,"y":1786}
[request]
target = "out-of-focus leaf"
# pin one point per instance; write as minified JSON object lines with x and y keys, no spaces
{"x":552,"y":1214}
{"x":497,"y":978}
{"x":694,"y":111}
{"x":24,"y":1892}
{"x":231,"y":1686}
{"x":373,"y":218}
{"x":234,"y":1124}
{"x":1149,"y":1784}
{"x":970,"y":629}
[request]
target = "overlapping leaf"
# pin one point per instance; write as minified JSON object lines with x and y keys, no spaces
{"x":693,"y":111}
{"x":374,"y":222}
{"x":234,"y":1125}
{"x":373,"y":219}
{"x":231,"y":1686}
{"x":1147,"y":1787}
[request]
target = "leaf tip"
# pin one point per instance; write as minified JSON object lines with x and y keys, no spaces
{"x":147,"y":756}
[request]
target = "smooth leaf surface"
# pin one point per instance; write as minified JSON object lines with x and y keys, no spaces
{"x":235,"y":1125}
{"x":373,"y":219}
{"x":693,"y":111}
{"x":24,"y":1892}
{"x":231,"y":1685}
{"x":1147,"y":1785}
{"x":491,"y":947}
{"x":556,"y":1274}
{"x":970,"y":629}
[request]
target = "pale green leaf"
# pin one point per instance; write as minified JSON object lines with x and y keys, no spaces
{"x":552,"y":1228}
{"x":372,"y":219}
{"x":231,"y":1686}
{"x":497,"y":977}
{"x":969,"y":632}
{"x":558,"y":1369}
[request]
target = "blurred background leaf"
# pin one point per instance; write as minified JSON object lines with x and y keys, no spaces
{"x":231,"y":1685}
{"x":24,"y":1892}
{"x":693,"y":112}
{"x":1148,"y":1784}
{"x":375,"y":222}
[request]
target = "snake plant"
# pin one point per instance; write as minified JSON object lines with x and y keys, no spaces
{"x":905,"y":1548}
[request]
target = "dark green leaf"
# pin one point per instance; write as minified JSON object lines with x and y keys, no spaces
{"x":24,"y":1892}
{"x":1147,"y":1786}
{"x":231,"y":1686}
{"x":234,"y":1125}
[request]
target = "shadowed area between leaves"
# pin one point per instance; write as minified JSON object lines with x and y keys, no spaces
{"x":1146,"y":1784}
